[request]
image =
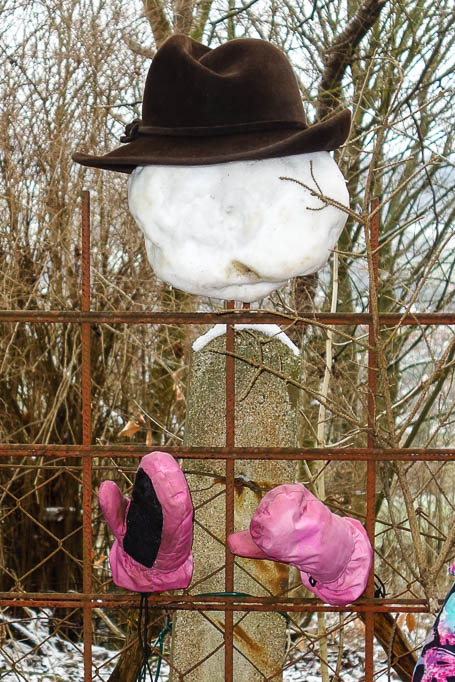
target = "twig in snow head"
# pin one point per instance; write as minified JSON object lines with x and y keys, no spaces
{"x":326,"y":200}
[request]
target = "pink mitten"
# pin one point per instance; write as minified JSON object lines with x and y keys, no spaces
{"x":333,"y":553}
{"x":154,"y":530}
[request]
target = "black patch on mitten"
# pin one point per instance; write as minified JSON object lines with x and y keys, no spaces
{"x":144,"y":523}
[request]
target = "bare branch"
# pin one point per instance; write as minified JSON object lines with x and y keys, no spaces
{"x":156,"y":16}
{"x":340,"y":53}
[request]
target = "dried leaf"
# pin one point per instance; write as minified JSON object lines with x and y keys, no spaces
{"x":97,"y":563}
{"x":149,"y":438}
{"x":401,"y":619}
{"x":410,"y":622}
{"x":178,"y":391}
{"x":130,"y":429}
{"x":302,"y":644}
{"x":140,"y":418}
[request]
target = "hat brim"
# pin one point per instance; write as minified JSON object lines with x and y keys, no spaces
{"x":194,"y":151}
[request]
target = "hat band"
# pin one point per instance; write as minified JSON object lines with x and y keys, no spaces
{"x":135,"y":129}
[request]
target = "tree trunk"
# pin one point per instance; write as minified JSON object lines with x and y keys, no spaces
{"x":396,"y":646}
{"x":131,"y":660}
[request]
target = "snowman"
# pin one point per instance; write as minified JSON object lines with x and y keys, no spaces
{"x":234,"y":192}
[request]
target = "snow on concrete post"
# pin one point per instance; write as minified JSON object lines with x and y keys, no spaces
{"x":265,"y":416}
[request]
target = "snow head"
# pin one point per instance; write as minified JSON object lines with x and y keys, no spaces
{"x":238,"y":230}
{"x":207,"y":160}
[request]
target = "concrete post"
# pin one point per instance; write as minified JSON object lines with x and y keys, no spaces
{"x":266,"y":415}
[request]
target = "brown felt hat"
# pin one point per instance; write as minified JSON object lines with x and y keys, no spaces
{"x":202,"y":106}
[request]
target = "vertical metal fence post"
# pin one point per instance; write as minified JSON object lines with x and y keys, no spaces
{"x":86,"y":443}
{"x":230,"y":442}
{"x":371,"y":464}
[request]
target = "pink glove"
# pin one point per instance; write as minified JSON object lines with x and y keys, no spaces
{"x":333,"y":553}
{"x":154,"y":531}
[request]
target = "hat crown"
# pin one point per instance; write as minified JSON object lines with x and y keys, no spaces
{"x":243,"y":81}
{"x":201,"y":106}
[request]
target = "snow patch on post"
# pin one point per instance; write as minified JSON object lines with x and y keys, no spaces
{"x":268,"y":329}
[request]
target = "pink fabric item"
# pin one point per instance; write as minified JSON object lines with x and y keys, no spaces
{"x":332,"y":553}
{"x":173,"y":566}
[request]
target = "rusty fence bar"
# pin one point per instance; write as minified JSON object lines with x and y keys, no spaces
{"x":41,"y":600}
{"x":88,"y":600}
{"x":229,"y":487}
{"x":225,"y":317}
{"x":314,"y":454}
{"x":86,"y":381}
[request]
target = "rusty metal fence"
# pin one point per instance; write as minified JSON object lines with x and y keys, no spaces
{"x":81,"y":462}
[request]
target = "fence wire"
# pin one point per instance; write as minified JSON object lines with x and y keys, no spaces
{"x":88,"y":631}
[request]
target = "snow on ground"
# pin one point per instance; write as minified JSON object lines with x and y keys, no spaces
{"x":267,"y":329}
{"x":41,"y":655}
{"x":352,"y":668}
{"x":238,"y":230}
{"x":31,"y":652}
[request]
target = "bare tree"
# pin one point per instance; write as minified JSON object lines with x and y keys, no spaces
{"x":72,"y":77}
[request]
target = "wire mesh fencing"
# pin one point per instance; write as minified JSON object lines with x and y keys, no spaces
{"x":87,"y":628}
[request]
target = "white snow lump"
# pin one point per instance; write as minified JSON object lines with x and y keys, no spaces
{"x":237,"y":230}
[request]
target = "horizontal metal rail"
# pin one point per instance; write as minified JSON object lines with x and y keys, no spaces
{"x":192,"y":602}
{"x":236,"y":453}
{"x":222,"y":317}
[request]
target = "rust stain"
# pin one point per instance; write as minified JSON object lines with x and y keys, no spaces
{"x":242,"y":484}
{"x":274,"y":575}
{"x":219,"y":623}
{"x":259,"y":488}
{"x":257,"y":654}
{"x":248,"y":641}
{"x":265,"y":486}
